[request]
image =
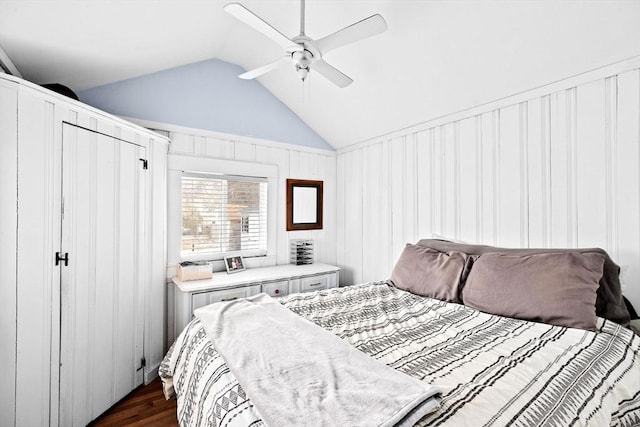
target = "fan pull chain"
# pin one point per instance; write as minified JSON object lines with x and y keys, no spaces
{"x":306,"y":95}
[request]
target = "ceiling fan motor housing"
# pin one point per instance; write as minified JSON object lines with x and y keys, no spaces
{"x":302,"y":60}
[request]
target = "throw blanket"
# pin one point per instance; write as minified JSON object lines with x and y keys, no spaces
{"x":298,"y":374}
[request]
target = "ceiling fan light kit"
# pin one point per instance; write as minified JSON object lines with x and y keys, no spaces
{"x":304,"y":52}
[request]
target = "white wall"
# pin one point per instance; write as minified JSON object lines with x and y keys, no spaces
{"x":8,"y":244}
{"x":292,"y":161}
{"x":438,"y":57}
{"x":557,"y":166}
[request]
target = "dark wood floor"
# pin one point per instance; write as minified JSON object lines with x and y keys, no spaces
{"x":145,"y":406}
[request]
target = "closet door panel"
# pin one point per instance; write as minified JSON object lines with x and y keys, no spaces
{"x":105,"y":198}
{"x":125,"y":312}
{"x":78,"y":284}
{"x":100,"y":320}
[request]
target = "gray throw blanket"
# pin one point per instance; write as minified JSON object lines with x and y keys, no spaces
{"x":299,"y":374}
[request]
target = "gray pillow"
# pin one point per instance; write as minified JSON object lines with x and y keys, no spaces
{"x":609,"y":302}
{"x":559,"y":288}
{"x":430,"y":273}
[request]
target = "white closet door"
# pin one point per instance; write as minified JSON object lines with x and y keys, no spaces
{"x":101,"y":323}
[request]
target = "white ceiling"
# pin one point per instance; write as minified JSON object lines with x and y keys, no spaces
{"x":437,"y":57}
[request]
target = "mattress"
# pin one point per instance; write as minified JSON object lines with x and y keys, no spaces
{"x":492,"y":370}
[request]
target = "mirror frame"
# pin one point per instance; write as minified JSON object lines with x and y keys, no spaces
{"x":291,"y":184}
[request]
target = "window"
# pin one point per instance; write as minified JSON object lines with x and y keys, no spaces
{"x":181,"y":167}
{"x":223,"y":214}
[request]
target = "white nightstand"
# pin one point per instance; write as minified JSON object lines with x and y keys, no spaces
{"x":276,"y":281}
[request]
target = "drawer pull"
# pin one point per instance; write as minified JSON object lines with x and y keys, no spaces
{"x":315,"y":284}
{"x":229,"y":299}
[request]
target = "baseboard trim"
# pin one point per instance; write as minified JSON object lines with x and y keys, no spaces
{"x":151,"y":373}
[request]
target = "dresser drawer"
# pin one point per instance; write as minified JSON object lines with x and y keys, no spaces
{"x":276,"y":289}
{"x":205,"y":298}
{"x":275,"y":281}
{"x":314,"y":283}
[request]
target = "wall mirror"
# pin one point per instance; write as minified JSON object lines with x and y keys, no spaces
{"x":304,"y":204}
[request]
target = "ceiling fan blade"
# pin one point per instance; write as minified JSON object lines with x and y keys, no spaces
{"x":257,"y":72}
{"x":368,"y":27}
{"x":331,"y":73}
{"x":260,"y":25}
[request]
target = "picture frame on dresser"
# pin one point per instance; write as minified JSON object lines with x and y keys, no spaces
{"x":234,"y":264}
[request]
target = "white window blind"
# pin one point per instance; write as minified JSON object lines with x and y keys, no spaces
{"x":223,"y":214}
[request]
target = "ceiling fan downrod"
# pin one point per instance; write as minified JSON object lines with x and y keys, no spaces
{"x":302,"y":59}
{"x":302,"y":17}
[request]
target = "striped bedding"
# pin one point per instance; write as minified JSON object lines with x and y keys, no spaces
{"x":493,"y":371}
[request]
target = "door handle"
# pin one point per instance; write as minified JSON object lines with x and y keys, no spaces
{"x":65,"y":258}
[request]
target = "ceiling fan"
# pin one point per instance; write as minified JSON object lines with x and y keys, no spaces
{"x":304,"y":52}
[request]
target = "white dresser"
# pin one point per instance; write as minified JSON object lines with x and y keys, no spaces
{"x":276,"y":281}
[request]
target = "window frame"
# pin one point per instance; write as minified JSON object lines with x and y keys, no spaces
{"x":177,"y":164}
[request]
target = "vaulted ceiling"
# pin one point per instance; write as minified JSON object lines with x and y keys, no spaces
{"x":437,"y":57}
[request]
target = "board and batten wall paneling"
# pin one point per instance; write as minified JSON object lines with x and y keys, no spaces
{"x":31,"y":129}
{"x":155,"y":326}
{"x":8,"y":241}
{"x":627,"y":170}
{"x":558,"y":166}
{"x":35,"y":293}
{"x":292,"y":161}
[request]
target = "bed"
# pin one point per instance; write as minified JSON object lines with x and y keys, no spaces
{"x":490,"y":369}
